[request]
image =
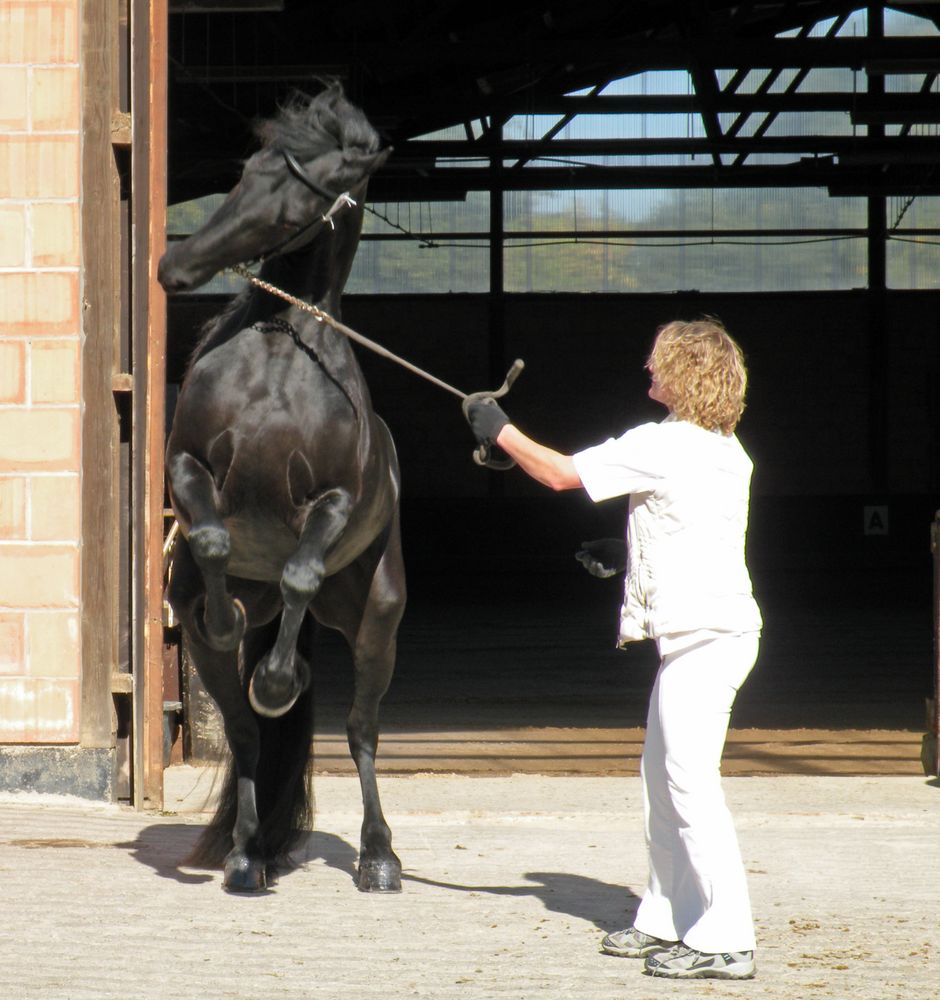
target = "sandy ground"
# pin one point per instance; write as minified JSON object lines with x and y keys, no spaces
{"x":510,"y":882}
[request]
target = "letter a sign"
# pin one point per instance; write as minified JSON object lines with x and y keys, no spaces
{"x":876,"y":520}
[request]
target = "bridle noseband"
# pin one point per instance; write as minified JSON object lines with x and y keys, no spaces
{"x":338,"y":201}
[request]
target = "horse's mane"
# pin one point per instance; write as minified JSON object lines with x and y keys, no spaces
{"x":310,"y":126}
{"x":215,"y":324}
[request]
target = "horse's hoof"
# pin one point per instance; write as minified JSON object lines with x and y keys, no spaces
{"x":272,"y":709}
{"x":274,"y":700}
{"x":379,"y":876}
{"x":242,"y":874}
{"x":223,"y":642}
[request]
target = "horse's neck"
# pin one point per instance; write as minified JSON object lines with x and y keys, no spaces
{"x":303,"y":275}
{"x":317,"y":273}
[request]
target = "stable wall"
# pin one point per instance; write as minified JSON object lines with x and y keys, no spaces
{"x":828,"y":410}
{"x":813,"y":423}
{"x":807,"y":423}
{"x":40,"y":362}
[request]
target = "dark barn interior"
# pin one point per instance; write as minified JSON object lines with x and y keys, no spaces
{"x":504,"y":631}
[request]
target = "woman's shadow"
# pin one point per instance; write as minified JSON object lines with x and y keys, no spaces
{"x":608,"y":907}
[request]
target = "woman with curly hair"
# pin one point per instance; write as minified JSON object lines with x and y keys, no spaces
{"x":687,"y":587}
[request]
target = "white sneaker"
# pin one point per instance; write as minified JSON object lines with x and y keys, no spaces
{"x":681,"y":962}
{"x":631,"y":943}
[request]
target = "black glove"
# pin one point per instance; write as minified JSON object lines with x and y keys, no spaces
{"x":603,"y":557}
{"x":486,"y":419}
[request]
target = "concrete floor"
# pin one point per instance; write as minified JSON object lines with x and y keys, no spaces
{"x":511,"y":880}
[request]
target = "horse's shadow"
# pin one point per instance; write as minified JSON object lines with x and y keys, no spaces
{"x":609,"y":907}
{"x":165,"y":847}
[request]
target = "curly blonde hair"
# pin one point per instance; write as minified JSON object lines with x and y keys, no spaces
{"x":701,"y":369}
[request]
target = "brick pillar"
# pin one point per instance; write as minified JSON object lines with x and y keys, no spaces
{"x":40,"y":365}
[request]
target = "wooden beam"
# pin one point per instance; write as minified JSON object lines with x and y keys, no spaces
{"x":100,"y":250}
{"x":121,"y":129}
{"x":156,"y":400}
{"x":148,"y":319}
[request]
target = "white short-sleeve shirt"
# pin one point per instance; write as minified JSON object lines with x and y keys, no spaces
{"x":686,"y":527}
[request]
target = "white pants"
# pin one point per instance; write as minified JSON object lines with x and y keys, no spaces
{"x":697,"y":891}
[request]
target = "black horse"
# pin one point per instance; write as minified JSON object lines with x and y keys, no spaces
{"x":285,"y":484}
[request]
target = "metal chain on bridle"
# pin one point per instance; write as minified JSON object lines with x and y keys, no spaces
{"x":325,"y":317}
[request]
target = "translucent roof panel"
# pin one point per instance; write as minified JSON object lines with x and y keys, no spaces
{"x":681,"y":210}
{"x":469,"y":216}
{"x":669,"y":265}
{"x":651,"y":82}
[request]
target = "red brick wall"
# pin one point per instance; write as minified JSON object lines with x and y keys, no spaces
{"x":40,"y":364}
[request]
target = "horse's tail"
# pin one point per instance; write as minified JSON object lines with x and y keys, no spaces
{"x":282,"y":786}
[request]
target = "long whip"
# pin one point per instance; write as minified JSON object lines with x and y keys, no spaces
{"x":481,"y":456}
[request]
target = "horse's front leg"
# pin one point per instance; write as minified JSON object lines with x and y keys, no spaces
{"x":368,"y":610}
{"x":221,"y":623}
{"x":281,"y":676}
{"x":376,"y":643}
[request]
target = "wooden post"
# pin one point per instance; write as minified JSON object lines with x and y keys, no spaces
{"x":101,"y":251}
{"x":149,"y":123}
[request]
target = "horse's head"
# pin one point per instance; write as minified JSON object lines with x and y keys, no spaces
{"x":314,"y":151}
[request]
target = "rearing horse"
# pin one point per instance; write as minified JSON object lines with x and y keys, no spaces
{"x":285,"y":484}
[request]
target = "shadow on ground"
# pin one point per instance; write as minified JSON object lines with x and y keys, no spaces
{"x":608,"y":907}
{"x":165,"y":847}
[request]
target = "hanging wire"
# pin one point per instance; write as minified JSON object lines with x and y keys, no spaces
{"x":423,"y":241}
{"x":903,"y":210}
{"x":922,"y":240}
{"x":518,"y":244}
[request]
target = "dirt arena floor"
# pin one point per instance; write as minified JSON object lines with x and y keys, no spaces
{"x":510,"y":746}
{"x":509,"y":885}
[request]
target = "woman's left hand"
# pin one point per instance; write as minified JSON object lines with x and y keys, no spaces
{"x":486,"y":419}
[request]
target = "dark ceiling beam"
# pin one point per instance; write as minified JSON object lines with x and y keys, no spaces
{"x":226,"y":6}
{"x":921,"y":108}
{"x":925,"y":88}
{"x":919,"y":147}
{"x":670,"y":104}
{"x":896,"y":179}
{"x":707,"y":91}
{"x":546,"y":142}
{"x":719,"y":53}
{"x":258,"y":74}
{"x":704,"y":79}
{"x":791,"y":88}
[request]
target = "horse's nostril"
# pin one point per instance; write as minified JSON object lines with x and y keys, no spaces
{"x":170,"y":278}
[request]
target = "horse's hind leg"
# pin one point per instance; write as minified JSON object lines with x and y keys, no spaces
{"x":279,"y":679}
{"x":232,"y":838}
{"x":222,"y":623}
{"x":368,"y":610}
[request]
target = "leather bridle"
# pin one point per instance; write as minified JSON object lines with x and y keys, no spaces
{"x":337,"y":202}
